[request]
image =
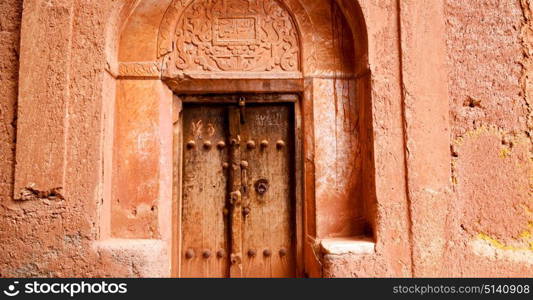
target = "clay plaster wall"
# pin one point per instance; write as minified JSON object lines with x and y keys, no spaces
{"x":490,"y":223}
{"x":486,"y":219}
{"x":10,"y":18}
{"x":478,"y":225}
{"x":54,"y":234}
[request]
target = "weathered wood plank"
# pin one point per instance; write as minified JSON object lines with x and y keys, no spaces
{"x":204,"y":193}
{"x":235,"y":192}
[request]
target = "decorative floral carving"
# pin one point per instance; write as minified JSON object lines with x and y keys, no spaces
{"x":139,"y":69}
{"x":164,"y":43}
{"x":236,"y":36}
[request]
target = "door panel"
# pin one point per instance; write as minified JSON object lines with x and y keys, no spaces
{"x":243,"y":211}
{"x":268,"y":226}
{"x":204,"y":224}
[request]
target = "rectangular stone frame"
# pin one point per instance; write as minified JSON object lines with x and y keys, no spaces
{"x":177,"y":107}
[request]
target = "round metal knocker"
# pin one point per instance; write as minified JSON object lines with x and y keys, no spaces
{"x":261,"y":186}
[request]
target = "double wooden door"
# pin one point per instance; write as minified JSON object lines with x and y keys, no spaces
{"x":238,"y":191}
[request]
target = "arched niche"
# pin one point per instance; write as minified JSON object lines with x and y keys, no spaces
{"x":328,"y":69}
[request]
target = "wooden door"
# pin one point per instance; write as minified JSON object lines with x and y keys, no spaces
{"x":238,"y":196}
{"x":204,"y":196}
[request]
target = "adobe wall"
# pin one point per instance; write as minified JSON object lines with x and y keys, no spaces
{"x":489,"y":49}
{"x":10,"y":17}
{"x":54,"y":234}
{"x":479,"y":225}
{"x":487,"y":222}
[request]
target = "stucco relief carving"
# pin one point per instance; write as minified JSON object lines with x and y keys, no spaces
{"x":234,"y":36}
{"x":139,"y":69}
{"x":168,"y":24}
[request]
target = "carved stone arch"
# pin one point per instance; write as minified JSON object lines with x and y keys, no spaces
{"x":302,"y":22}
{"x":154,"y":23}
{"x":356,"y":20}
{"x":331,"y":82}
{"x":235,"y":36}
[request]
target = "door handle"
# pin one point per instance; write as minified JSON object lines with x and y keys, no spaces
{"x":262,"y":186}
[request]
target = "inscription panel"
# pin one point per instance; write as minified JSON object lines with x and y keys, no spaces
{"x":235,"y":31}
